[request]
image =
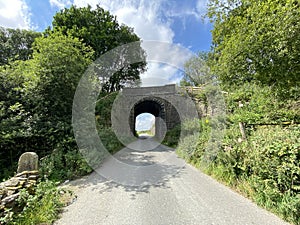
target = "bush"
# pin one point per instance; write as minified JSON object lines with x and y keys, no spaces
{"x":259,"y":106}
{"x":60,"y":166}
{"x":66,"y":160}
{"x":275,"y":166}
{"x":41,"y":207}
{"x":172,"y":137}
{"x":109,"y":139}
{"x":266,"y":168}
{"x":192,"y":146}
{"x":276,"y":156}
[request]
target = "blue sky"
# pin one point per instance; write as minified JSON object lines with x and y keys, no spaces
{"x":173,"y":21}
{"x":178,"y":22}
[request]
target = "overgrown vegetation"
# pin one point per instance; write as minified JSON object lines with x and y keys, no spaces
{"x":266,"y":166}
{"x":103,"y":118}
{"x":256,"y":41}
{"x":40,"y":205}
{"x":39,"y":73}
{"x":172,"y":136}
{"x":253,"y":61}
{"x":38,"y":78}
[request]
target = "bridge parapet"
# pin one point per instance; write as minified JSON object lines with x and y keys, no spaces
{"x":154,"y":90}
{"x":160,"y":101}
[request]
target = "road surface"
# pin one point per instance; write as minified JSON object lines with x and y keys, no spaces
{"x":144,"y":186}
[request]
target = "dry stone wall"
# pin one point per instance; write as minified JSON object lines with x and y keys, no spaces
{"x":27,"y":177}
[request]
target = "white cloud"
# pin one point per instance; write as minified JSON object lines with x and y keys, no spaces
{"x":14,"y":14}
{"x":60,"y":3}
{"x":83,"y":3}
{"x":144,"y":121}
{"x":151,"y":20}
{"x":157,"y":74}
{"x":202,"y":7}
{"x":143,"y":16}
{"x":164,"y":61}
{"x":187,"y":8}
{"x":145,"y":26}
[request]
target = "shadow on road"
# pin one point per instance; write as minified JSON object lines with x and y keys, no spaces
{"x":135,"y":170}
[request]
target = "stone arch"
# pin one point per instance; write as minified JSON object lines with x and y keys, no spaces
{"x":154,"y":106}
{"x":174,"y":108}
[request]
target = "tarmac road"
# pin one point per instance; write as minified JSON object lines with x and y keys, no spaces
{"x":147,"y":184}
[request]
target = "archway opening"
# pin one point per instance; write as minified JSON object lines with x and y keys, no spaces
{"x":145,"y":125}
{"x":155,"y":107}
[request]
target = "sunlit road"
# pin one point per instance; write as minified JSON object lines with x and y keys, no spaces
{"x":155,"y":187}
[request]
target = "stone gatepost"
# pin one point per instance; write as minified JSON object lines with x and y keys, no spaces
{"x":26,"y":177}
{"x":28,"y":161}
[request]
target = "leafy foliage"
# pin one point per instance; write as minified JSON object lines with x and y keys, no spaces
{"x":15,"y":115}
{"x":38,"y":78}
{"x":103,"y":122}
{"x":197,"y":71}
{"x":100,"y":30}
{"x":38,"y":96}
{"x":15,"y":44}
{"x":58,"y":62}
{"x":280,"y":150}
{"x":41,"y":207}
{"x":192,"y":146}
{"x":266,"y":166}
{"x":103,"y":109}
{"x":36,"y":105}
{"x":257,"y":40}
{"x":254,"y":58}
{"x":172,"y":136}
{"x":252,"y":103}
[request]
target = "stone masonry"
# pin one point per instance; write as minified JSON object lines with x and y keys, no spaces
{"x":26,"y":177}
{"x":168,"y":104}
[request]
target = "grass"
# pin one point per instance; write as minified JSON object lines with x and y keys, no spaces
{"x":41,"y":207}
{"x":264,"y":169}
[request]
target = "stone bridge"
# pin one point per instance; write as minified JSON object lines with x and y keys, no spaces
{"x":167,"y":103}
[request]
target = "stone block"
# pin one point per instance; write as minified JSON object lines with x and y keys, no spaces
{"x":10,"y":199}
{"x":3,"y":191}
{"x":33,"y":177}
{"x":13,"y":182}
{"x":28,"y":162}
{"x":27,"y":176}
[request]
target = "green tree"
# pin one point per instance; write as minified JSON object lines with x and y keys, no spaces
{"x":100,"y":30}
{"x":16,"y":81}
{"x":36,"y":99}
{"x":59,"y":61}
{"x":256,"y":40}
{"x":15,"y":44}
{"x":13,"y":105}
{"x":197,"y":71}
